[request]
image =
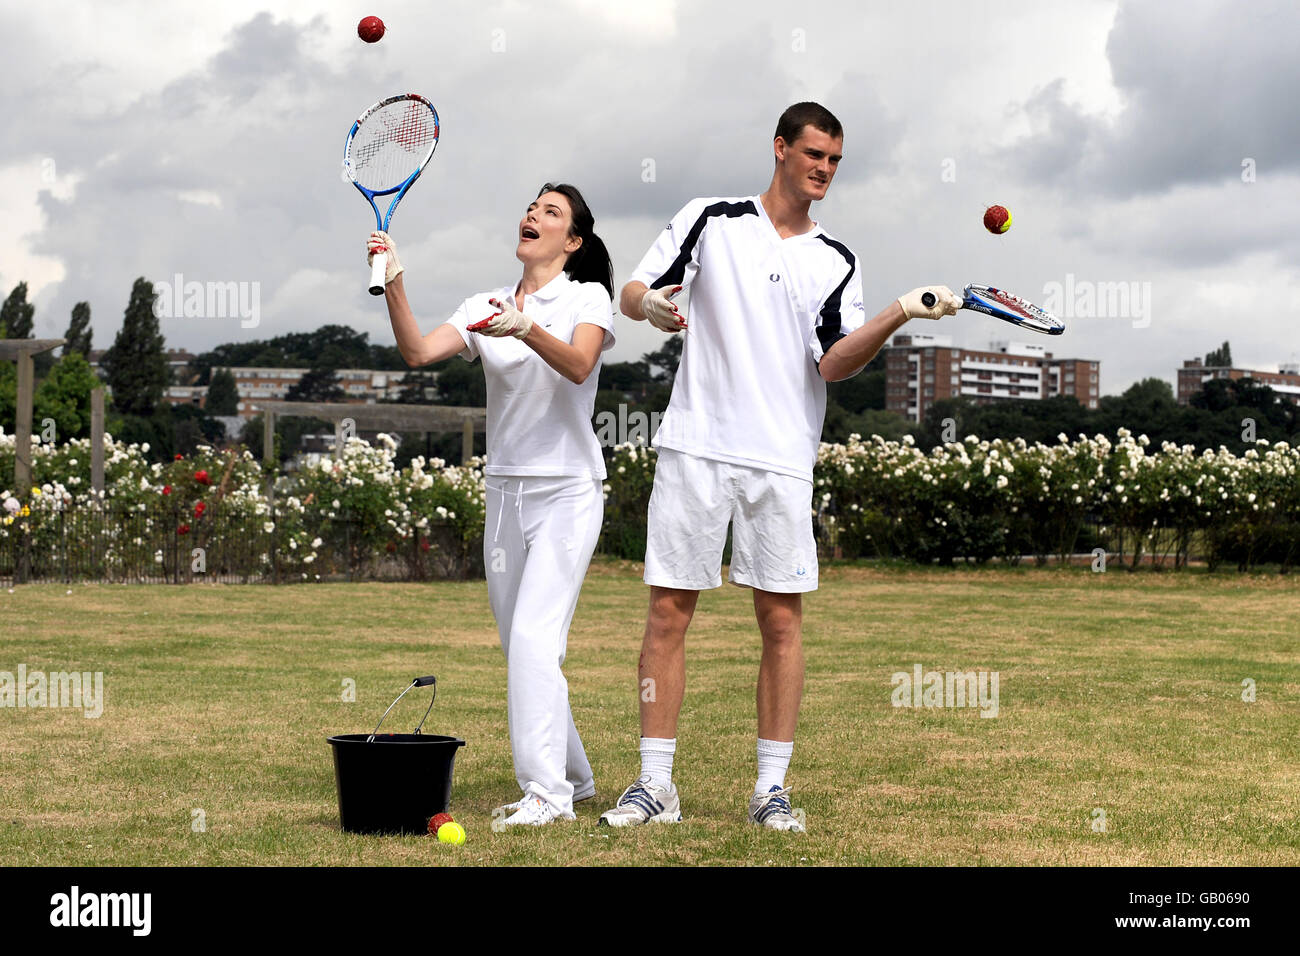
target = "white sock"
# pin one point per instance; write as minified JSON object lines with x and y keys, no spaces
{"x":657,"y":759}
{"x":773,"y":761}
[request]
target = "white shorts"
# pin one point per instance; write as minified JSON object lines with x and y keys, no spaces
{"x":691,"y":503}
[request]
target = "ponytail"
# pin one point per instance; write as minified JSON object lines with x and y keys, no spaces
{"x":590,"y":262}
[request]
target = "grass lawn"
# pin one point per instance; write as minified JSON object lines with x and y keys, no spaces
{"x":1119,"y":693}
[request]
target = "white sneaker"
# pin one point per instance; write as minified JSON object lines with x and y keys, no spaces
{"x":578,"y":797}
{"x":643,"y":802}
{"x":509,"y":808}
{"x":535,"y":812}
{"x":772,"y":810}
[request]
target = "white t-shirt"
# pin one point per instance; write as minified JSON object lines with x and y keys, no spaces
{"x":538,"y":422}
{"x":763,"y":311}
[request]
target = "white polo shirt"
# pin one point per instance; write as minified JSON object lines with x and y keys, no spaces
{"x":538,"y":422}
{"x":763,"y":311}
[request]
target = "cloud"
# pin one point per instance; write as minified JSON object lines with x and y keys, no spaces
{"x":1203,"y":87}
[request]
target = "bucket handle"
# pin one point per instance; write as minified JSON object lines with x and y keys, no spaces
{"x":418,"y":682}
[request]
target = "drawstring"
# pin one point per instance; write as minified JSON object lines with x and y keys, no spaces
{"x":519,"y":507}
{"x":500,"y":511}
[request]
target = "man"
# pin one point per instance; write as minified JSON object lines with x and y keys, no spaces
{"x":775,"y":312}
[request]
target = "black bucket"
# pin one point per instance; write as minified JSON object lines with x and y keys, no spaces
{"x":393,"y":783}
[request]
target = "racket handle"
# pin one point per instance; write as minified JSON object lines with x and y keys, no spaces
{"x":927,"y":299}
{"x":379,"y":265}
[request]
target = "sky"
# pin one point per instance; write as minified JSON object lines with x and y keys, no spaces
{"x":1149,"y":154}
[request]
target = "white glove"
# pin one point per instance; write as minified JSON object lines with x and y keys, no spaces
{"x":383,"y":242}
{"x":946,"y":302}
{"x":507,"y":321}
{"x":658,"y":308}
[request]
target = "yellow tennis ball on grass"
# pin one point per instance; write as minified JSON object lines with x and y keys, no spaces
{"x":452,"y":833}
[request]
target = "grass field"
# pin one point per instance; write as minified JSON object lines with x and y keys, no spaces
{"x":1117,"y":692}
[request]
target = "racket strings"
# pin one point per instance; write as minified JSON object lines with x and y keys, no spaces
{"x":392,"y":143}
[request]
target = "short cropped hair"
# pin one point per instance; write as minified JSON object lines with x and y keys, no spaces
{"x":796,"y":117}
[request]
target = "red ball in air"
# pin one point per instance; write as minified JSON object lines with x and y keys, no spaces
{"x":370,"y":29}
{"x":997,"y":219}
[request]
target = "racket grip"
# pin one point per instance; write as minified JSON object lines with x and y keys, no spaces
{"x":927,"y":299}
{"x":379,"y":265}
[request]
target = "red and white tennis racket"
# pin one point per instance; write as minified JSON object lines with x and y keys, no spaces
{"x":1003,"y":305}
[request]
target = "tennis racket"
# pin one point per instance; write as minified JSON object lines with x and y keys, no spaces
{"x":1001,"y":304}
{"x":387,"y":148}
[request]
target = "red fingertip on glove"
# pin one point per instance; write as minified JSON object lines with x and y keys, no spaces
{"x":480,"y":326}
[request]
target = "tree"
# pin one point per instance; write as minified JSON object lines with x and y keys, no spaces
{"x":1146,"y":408}
{"x":666,"y":358}
{"x":1222,"y":356}
{"x":461,"y":383}
{"x":16,"y":314}
{"x":193,"y":426}
{"x":223,"y":393}
{"x":1220,"y":411}
{"x":136,"y":365}
{"x":628,"y":378}
{"x":65,"y":396}
{"x":77,"y":338}
{"x":335,"y":346}
{"x":8,"y":397}
{"x":320,"y":384}
{"x":864,"y":391}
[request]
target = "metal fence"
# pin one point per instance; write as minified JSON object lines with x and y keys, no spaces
{"x":173,"y":546}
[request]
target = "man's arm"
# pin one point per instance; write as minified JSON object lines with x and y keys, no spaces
{"x":629,"y":300}
{"x":850,"y":355}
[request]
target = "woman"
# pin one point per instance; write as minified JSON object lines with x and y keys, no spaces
{"x":540,"y":341}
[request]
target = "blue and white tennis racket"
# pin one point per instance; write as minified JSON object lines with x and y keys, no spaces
{"x":387,"y":148}
{"x":1003,"y":305}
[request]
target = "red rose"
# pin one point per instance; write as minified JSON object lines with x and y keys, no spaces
{"x":179,"y":456}
{"x":424,"y":544}
{"x":202,"y":478}
{"x":391,"y":547}
{"x":183,"y":529}
{"x":199,"y":509}
{"x":167,"y":489}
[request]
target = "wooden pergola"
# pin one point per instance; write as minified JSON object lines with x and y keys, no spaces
{"x":21,"y":351}
{"x":466,"y":419}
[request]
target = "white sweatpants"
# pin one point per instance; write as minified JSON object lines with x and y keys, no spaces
{"x":539,"y":536}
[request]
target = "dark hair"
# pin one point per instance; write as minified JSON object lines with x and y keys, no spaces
{"x":590,"y":261}
{"x":796,"y":117}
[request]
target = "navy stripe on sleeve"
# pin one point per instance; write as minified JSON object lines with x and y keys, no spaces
{"x":828,"y":328}
{"x":677,"y":271}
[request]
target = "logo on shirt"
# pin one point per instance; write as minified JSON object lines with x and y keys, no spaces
{"x":775,"y":277}
{"x":801,"y":571}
